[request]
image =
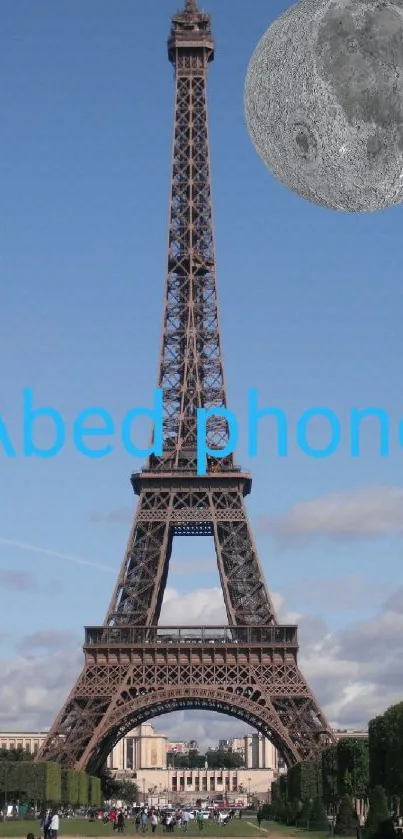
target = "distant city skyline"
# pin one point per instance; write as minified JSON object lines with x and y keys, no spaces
{"x":30,"y":740}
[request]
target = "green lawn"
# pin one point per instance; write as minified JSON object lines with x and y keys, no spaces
{"x":291,"y":832}
{"x":82,"y":827}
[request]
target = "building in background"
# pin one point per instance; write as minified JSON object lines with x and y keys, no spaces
{"x":341,"y":734}
{"x":141,"y":748}
{"x":180,"y":748}
{"x":230,"y":786}
{"x":27,"y":741}
{"x":256,"y":751}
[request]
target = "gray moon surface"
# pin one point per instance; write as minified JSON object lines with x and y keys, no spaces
{"x":324,"y":102}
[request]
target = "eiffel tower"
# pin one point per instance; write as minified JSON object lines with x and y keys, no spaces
{"x":134,"y":669}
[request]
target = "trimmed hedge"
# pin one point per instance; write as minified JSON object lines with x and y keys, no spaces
{"x":83,"y":789}
{"x":95,"y":797}
{"x":48,"y":783}
{"x":69,"y":787}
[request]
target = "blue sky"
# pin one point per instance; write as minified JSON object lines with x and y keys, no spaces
{"x":310,"y":304}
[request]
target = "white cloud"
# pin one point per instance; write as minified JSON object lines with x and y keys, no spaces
{"x":206,"y":606}
{"x":202,"y":607}
{"x":366,"y":513}
{"x":33,"y":688}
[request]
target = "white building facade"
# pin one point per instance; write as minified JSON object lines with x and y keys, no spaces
{"x":256,"y":751}
{"x":141,"y":748}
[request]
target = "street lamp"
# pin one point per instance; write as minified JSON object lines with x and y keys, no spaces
{"x":249,"y":792}
{"x":144,"y":791}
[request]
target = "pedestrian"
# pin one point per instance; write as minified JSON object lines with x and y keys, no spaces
{"x":144,"y":821}
{"x":154,"y":822}
{"x":47,"y":818}
{"x":54,"y":825}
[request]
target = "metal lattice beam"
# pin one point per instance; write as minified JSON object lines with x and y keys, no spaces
{"x":132,"y":672}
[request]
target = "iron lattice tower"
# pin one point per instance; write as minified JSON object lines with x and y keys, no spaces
{"x":134,"y":669}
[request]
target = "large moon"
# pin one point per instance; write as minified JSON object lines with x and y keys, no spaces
{"x":324,"y":102}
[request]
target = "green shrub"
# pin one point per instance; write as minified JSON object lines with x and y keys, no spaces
{"x":69,"y":787}
{"x":304,"y":815}
{"x":95,"y":792}
{"x":318,"y":819}
{"x":378,"y":810}
{"x":346,"y":821}
{"x":83,"y":789}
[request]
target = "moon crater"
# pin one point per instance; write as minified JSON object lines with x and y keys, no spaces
{"x":324,"y":102}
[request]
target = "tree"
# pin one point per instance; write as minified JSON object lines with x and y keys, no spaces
{"x":378,"y":810}
{"x":385,"y":830}
{"x":378,"y":744}
{"x":10,"y":755}
{"x":95,"y":792}
{"x":318,"y":819}
{"x":294,"y":781}
{"x":109,"y":785}
{"x":267,"y":811}
{"x":193,"y":760}
{"x":353,"y":767}
{"x":292,"y":809}
{"x":283,"y":786}
{"x":280,"y":809}
{"x":36,"y":782}
{"x":329,"y":777}
{"x":394,"y":750}
{"x":279,"y":800}
{"x":346,"y":820}
{"x":128,"y":792}
{"x":83,"y":789}
{"x":304,"y":816}
{"x":190,"y":761}
{"x":386,"y":752}
{"x":221,"y":759}
{"x":69,"y":787}
{"x":113,"y":789}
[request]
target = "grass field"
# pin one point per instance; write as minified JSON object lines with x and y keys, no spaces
{"x":291,"y":832}
{"x":241,"y":828}
{"x":82,"y":827}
